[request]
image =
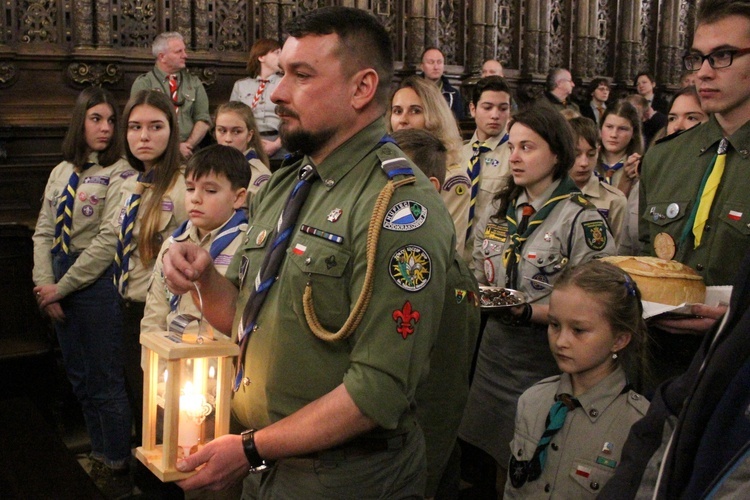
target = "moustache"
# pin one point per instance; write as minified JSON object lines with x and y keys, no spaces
{"x":282,"y":111}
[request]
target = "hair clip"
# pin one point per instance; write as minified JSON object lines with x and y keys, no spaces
{"x":629,"y":286}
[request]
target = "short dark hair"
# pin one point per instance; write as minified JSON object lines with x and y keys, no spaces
{"x":594,"y":84}
{"x":584,"y":128}
{"x":710,"y":11}
{"x":259,"y":49}
{"x":688,"y":91}
{"x":491,"y":83}
{"x":648,"y":75}
{"x":425,"y":150}
{"x":551,"y":126}
{"x":363,"y":41}
{"x":75,"y":149}
{"x":221,"y":160}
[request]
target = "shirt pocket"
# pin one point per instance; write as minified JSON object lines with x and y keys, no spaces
{"x":737,"y":215}
{"x":541,"y":264}
{"x":325,"y":266}
{"x":90,"y":200}
{"x":590,"y":476}
{"x":666,"y":213}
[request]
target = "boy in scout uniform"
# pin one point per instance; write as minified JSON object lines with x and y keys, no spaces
{"x":171,"y":77}
{"x":486,"y":153}
{"x":335,"y":411}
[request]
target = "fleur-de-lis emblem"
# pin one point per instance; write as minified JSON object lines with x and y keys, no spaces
{"x":405,"y":319}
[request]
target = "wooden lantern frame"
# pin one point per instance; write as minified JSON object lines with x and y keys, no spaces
{"x":161,"y":459}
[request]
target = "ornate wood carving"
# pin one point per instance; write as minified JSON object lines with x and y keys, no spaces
{"x":82,"y":74}
{"x":139,"y":22}
{"x":8,"y":74}
{"x":505,"y":35}
{"x":38,"y":21}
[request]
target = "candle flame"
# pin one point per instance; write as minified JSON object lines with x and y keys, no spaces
{"x":211,"y":372}
{"x":166,"y":375}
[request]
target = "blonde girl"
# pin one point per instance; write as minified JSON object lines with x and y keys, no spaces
{"x":570,"y":428}
{"x":235,"y":127}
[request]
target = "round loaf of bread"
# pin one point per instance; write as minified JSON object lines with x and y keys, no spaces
{"x":663,"y":281}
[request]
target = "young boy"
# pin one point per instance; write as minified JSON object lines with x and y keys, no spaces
{"x":216,"y":179}
{"x":609,"y":200}
{"x":441,"y":397}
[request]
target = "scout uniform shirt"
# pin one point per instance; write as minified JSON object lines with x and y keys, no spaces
{"x":610,"y":201}
{"x":494,"y":169}
{"x":158,"y":309}
{"x":265,"y":111}
{"x":585,"y":452}
{"x":672,"y":173}
{"x":259,"y":175}
{"x":191,"y":97}
{"x":380,"y":364}
{"x":92,"y":234}
{"x":173,"y":214}
{"x":456,"y":194}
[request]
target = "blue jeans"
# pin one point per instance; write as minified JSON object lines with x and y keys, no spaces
{"x":91,"y":344}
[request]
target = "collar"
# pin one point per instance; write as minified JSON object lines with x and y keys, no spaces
{"x":191,"y":233}
{"x":554,"y":98}
{"x":271,"y":79}
{"x":596,"y":400}
{"x":348,"y":155}
{"x":492,"y":142}
{"x":539,"y":202}
{"x":711,"y":133}
{"x":162,"y":76}
{"x":595,"y":106}
{"x":592,"y":187}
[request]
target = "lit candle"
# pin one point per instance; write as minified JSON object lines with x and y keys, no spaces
{"x":193,"y":411}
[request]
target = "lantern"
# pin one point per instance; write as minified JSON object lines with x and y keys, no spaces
{"x":186,"y":394}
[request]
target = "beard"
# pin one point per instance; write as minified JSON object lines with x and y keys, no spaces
{"x":301,"y":140}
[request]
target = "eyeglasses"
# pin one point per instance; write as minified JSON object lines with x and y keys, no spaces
{"x":717,"y":59}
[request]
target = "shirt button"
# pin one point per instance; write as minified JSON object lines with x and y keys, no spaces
{"x":635,"y":397}
{"x":520,"y":453}
{"x":245,"y":381}
{"x":593,"y":412}
{"x":707,"y":228}
{"x":329,"y":183}
{"x":547,"y":488}
{"x":308,"y":261}
{"x":555,"y":447}
{"x":256,"y":328}
{"x":743,"y":152}
{"x":699,"y":267}
{"x":594,"y":485}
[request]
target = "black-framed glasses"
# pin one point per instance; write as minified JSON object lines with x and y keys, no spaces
{"x":717,"y":59}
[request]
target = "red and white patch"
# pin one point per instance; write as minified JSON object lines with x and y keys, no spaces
{"x":582,"y":470}
{"x":734,"y":215}
{"x":299,"y":249}
{"x":489,"y":271}
{"x":531,"y":255}
{"x":82,"y":196}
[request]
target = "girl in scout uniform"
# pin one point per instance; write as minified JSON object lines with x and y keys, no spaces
{"x":151,"y":208}
{"x":419,"y":104}
{"x":235,"y":127}
{"x":74,"y":244}
{"x":570,"y":428}
{"x":527,"y":254}
{"x":619,"y":165}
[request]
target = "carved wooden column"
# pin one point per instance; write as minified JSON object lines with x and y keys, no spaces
{"x":83,"y":20}
{"x":584,"y":43}
{"x":103,"y":23}
{"x":628,"y":48}
{"x":490,"y":31}
{"x":536,"y":47}
{"x":476,"y":35}
{"x":431,"y":32}
{"x":669,"y":69}
{"x":415,"y":33}
{"x":181,"y":13}
{"x":201,"y":25}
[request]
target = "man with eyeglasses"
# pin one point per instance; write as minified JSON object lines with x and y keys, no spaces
{"x":559,"y":89}
{"x":693,"y":442}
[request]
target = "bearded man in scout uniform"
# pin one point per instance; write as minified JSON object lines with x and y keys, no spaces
{"x":692,"y":442}
{"x":306,"y":395}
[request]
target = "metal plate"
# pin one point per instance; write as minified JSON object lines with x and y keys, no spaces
{"x":483,"y":290}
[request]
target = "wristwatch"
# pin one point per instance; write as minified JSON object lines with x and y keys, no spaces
{"x":257,"y":464}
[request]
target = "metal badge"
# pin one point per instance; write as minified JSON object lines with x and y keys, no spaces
{"x":673,"y":210}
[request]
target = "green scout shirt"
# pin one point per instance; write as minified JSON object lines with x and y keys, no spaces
{"x":584,"y":454}
{"x":190,"y":93}
{"x":382,"y":362}
{"x":670,"y":180}
{"x":92,"y":235}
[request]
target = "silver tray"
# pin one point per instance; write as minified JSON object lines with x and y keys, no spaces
{"x":483,"y":289}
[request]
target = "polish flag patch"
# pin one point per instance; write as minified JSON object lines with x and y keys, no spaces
{"x":734,"y":215}
{"x":299,"y":249}
{"x":584,"y":471}
{"x":531,"y":255}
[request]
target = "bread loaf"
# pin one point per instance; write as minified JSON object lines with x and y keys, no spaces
{"x":663,"y":281}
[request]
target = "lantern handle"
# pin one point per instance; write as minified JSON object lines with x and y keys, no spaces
{"x":181,"y":321}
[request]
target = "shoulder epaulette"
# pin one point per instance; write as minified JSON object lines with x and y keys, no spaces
{"x":392,"y":161}
{"x":581,"y":200}
{"x":638,"y":402}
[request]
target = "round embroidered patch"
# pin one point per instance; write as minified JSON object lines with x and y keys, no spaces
{"x":410,"y":268}
{"x":406,"y":215}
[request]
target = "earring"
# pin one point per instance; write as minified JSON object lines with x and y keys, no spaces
{"x":614,"y":355}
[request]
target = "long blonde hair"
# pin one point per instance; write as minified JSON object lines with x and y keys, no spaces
{"x":438,"y":117}
{"x":246,"y":113}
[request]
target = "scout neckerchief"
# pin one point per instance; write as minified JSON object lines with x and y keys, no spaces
{"x":259,"y":93}
{"x":224,"y":237}
{"x":474,"y":170}
{"x":124,"y":240}
{"x":173,"y":87}
{"x":710,"y":184}
{"x":512,"y":255}
{"x":251,"y":154}
{"x":64,"y":218}
{"x":609,"y":170}
{"x":555,"y":421}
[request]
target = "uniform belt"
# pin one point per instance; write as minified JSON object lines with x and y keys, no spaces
{"x":358,"y":447}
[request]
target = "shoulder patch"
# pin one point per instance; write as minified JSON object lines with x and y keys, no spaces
{"x":261,"y":179}
{"x":638,"y":402}
{"x":456,"y":182}
{"x":581,"y":200}
{"x":595,"y":234}
{"x":410,"y":268}
{"x":406,"y":215}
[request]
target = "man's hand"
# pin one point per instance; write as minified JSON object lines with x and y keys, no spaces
{"x":706,"y":317}
{"x":186,"y":150}
{"x":225,"y":464}
{"x":271,"y":147}
{"x":46,"y":295}
{"x":55,"y":312}
{"x":185,"y":263}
